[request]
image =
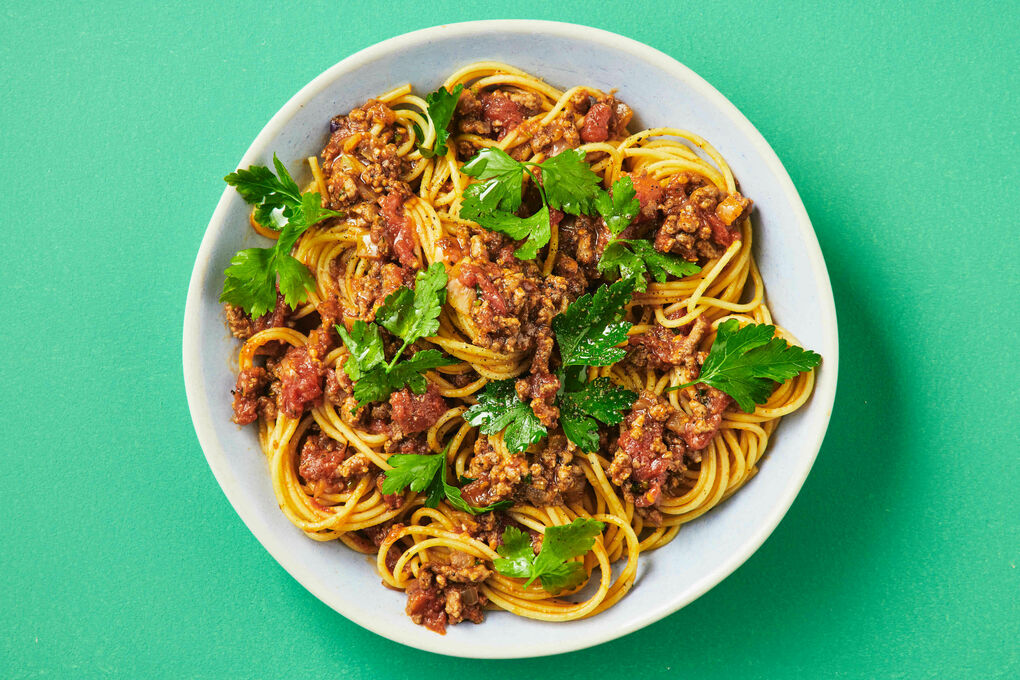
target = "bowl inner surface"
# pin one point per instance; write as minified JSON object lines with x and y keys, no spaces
{"x":662,"y":93}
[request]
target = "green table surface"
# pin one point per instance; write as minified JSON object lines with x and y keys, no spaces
{"x":120,"y":555}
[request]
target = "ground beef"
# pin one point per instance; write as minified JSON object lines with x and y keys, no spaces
{"x":495,"y":478}
{"x":576,"y":278}
{"x":359,"y":166}
{"x":548,"y":139}
{"x":445,"y":594}
{"x":540,"y":386}
{"x":248,"y":392}
{"x":380,"y":280}
{"x":416,"y":412}
{"x":301,"y":381}
{"x":469,"y":116}
{"x":407,"y":444}
{"x":242,"y":326}
{"x":643,"y":458}
{"x":555,"y":479}
{"x":339,"y":391}
{"x":660,"y":349}
{"x":690,"y":225}
{"x":322,"y":463}
{"x":505,"y":109}
{"x":583,"y":239}
{"x":509,"y":301}
{"x":658,"y":443}
{"x":488,"y":528}
{"x":707,"y":406}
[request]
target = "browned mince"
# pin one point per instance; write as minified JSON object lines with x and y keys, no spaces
{"x":248,"y":392}
{"x":548,"y":476}
{"x":662,"y":349}
{"x":647,"y":453}
{"x":414,"y":413}
{"x":322,"y":460}
{"x":301,"y":381}
{"x":381,"y":166}
{"x":555,"y":477}
{"x":692,"y":225}
{"x":448,"y":593}
{"x":495,"y":478}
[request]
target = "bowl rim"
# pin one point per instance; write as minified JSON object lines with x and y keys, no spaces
{"x":824,"y":389}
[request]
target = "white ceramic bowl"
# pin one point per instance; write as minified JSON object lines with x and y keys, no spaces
{"x":662,"y":92}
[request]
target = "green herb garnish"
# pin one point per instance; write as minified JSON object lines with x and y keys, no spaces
{"x":499,"y":408}
{"x":441,"y":105}
{"x":427,"y":474}
{"x":410,"y":315}
{"x":745,"y":363}
{"x":251,"y":278}
{"x":624,"y":258}
{"x":567,"y":184}
{"x":553,"y":566}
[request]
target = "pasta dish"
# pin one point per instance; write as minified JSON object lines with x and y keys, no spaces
{"x":505,"y":343}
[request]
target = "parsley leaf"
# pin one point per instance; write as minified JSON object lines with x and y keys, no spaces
{"x":503,"y":180}
{"x":441,"y":105}
{"x":534,"y":230}
{"x":251,"y":281}
{"x":636,"y":258}
{"x":366,"y":348}
{"x":381,"y":380}
{"x":626,"y":258}
{"x":428,"y":474}
{"x":551,"y":566}
{"x":591,"y":327}
{"x":260,"y":187}
{"x":251,"y":277}
{"x":599,"y":400}
{"x":746,"y":362}
{"x":569,"y":182}
{"x":409,"y":372}
{"x":499,"y":409}
{"x":295,"y":279}
{"x":621,"y":207}
{"x":410,"y":315}
{"x":415,"y":314}
{"x":411,"y":470}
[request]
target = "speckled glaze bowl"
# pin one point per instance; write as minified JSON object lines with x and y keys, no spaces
{"x":662,"y":92}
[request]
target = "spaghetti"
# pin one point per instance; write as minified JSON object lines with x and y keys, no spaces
{"x":676,"y":455}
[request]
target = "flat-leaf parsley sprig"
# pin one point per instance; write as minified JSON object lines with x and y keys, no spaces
{"x":747,"y":362}
{"x":427,"y":474}
{"x":251,"y":278}
{"x":440,"y":107}
{"x":500,"y":410}
{"x":554,"y":566}
{"x":624,"y":258}
{"x":409,"y":315}
{"x":567,"y":183}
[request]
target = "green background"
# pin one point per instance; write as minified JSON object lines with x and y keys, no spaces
{"x":120,"y":555}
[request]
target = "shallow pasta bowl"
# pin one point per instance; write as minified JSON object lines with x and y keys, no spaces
{"x":662,"y":92}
